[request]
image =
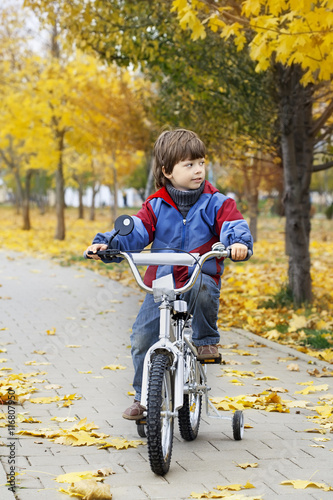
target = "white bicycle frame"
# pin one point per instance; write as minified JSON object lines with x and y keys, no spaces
{"x":164,"y":292}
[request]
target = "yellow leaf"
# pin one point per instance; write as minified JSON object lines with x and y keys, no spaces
{"x":300,"y":484}
{"x":293,"y":367}
{"x":114,"y":367}
{"x":314,"y":388}
{"x":88,"y":489}
{"x":77,"y":438}
{"x":64,"y":419}
{"x":121,"y":444}
{"x":51,"y":332}
{"x":235,"y":487}
{"x":236,"y":382}
{"x":50,"y":387}
{"x":297,"y":322}
{"x":36,"y":363}
{"x":248,"y":464}
{"x":73,"y":477}
{"x":272,"y":335}
{"x":243,"y":353}
{"x":45,"y":400}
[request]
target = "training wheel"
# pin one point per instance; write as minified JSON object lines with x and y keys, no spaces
{"x":238,"y":425}
{"x":141,"y":428}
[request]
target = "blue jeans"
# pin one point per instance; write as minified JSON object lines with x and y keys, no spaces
{"x":204,"y":323}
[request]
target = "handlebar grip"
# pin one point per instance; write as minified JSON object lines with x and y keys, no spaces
{"x":249,"y":253}
{"x":86,"y":255}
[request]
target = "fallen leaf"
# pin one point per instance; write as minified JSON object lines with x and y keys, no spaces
{"x":88,"y":489}
{"x":73,"y":477}
{"x":64,"y":419}
{"x":36,"y":363}
{"x":272,"y":335}
{"x":45,"y":400}
{"x":247,"y":464}
{"x":316,"y":373}
{"x":114,"y":367}
{"x":300,"y":484}
{"x":293,"y":367}
{"x":297,"y":322}
{"x":51,"y":331}
{"x":121,"y":444}
{"x":288,"y":358}
{"x":235,"y":487}
{"x":314,"y":388}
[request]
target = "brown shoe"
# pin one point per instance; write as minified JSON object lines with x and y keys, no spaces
{"x":208,"y":352}
{"x":134,"y":412}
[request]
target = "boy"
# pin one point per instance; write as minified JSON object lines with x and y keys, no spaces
{"x":186,"y":212}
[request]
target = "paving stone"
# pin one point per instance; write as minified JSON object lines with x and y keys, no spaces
{"x":277,"y":441}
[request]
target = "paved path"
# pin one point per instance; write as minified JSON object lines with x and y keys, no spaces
{"x":95,"y":313}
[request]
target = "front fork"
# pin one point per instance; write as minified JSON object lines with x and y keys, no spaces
{"x":166,"y":345}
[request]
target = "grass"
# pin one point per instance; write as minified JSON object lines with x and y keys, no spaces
{"x":283,"y":298}
{"x":318,"y":339}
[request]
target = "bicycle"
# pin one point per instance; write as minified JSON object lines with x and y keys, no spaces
{"x":174,"y":380}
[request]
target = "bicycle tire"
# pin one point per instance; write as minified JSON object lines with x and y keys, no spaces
{"x":190,"y":413}
{"x":238,"y":425}
{"x":141,"y":428}
{"x":160,"y":424}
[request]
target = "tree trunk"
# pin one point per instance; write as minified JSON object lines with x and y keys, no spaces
{"x":297,"y":156}
{"x":253,"y":213}
{"x":95,"y":189}
{"x":150,"y":181}
{"x":19,"y":190}
{"x":252,"y":176}
{"x":26,"y":202}
{"x":81,"y":208}
{"x":60,"y":191}
{"x":115,"y":194}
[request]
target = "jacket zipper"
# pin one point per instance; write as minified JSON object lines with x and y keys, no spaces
{"x":183,"y":233}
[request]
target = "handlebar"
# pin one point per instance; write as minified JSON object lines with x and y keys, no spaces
{"x":166,"y":258}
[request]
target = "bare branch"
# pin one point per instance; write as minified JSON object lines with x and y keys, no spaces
{"x":322,"y":166}
{"x":320,"y":122}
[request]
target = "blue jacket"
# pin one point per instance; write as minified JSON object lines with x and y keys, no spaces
{"x":213,"y":218}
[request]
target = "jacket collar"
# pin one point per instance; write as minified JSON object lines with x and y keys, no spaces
{"x":163,"y":193}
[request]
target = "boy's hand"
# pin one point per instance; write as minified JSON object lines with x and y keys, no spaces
{"x":238,"y":251}
{"x":94,"y":248}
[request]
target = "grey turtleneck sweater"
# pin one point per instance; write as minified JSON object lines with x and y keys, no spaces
{"x":185,"y":199}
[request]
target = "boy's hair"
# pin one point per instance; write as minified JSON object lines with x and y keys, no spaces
{"x":173,"y":146}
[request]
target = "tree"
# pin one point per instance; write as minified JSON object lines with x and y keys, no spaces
{"x":294,"y":40}
{"x":206,"y":87}
{"x":20,"y":126}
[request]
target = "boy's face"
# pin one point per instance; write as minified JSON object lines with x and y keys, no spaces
{"x":187,"y":174}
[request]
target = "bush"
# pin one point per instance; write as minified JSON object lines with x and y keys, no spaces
{"x":329,"y":212}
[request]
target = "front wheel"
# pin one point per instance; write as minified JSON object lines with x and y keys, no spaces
{"x":160,"y":416}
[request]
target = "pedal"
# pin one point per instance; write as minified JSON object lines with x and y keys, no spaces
{"x":141,"y":421}
{"x":211,"y":361}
